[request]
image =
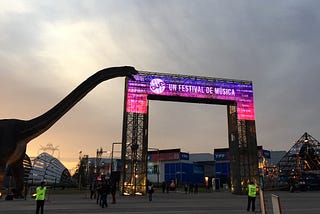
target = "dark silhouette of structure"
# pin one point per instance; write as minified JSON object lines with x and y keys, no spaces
{"x":301,"y":165}
{"x":15,"y":133}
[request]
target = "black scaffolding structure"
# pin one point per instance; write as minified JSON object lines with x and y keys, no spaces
{"x":134,"y":154}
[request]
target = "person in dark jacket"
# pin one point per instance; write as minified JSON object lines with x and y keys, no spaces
{"x":150,"y":191}
{"x":98,"y":191}
{"x":113,"y":191}
{"x":104,"y":191}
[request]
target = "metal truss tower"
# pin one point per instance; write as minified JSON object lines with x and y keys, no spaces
{"x":243,"y":151}
{"x":135,"y":154}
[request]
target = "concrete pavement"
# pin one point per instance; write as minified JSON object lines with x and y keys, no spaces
{"x":172,"y":203}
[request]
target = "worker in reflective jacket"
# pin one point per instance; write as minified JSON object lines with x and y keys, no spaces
{"x":40,"y":197}
{"x":252,"y":192}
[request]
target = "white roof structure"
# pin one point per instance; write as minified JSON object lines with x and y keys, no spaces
{"x":49,"y":169}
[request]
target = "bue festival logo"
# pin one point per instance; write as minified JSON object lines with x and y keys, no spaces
{"x":157,"y":86}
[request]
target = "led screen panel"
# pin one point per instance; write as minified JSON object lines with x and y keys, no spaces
{"x":189,"y":87}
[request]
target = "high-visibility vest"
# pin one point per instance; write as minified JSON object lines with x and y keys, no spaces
{"x":41,"y":192}
{"x":252,"y":190}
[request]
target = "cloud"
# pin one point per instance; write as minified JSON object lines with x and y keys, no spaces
{"x":48,"y":48}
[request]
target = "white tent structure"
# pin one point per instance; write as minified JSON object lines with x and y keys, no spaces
{"x":49,"y":169}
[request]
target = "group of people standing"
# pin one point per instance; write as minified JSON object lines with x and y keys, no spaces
{"x":100,"y":190}
{"x":168,"y":186}
{"x":191,"y":188}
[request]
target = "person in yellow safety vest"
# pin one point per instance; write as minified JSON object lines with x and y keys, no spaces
{"x":40,"y":197}
{"x":252,"y":192}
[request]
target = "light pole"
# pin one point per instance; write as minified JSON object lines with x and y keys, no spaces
{"x":80,"y":168}
{"x":158,"y":163}
{"x":111,"y":167}
{"x":98,"y":159}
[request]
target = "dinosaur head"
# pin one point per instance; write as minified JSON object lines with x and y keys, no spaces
{"x":128,"y":71}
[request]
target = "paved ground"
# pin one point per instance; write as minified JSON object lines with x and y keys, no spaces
{"x":172,"y":203}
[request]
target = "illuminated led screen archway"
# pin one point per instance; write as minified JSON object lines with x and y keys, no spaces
{"x":237,"y":95}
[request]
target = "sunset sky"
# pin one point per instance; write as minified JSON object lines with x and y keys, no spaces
{"x":49,"y":47}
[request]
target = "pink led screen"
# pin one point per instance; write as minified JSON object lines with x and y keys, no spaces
{"x":193,"y":87}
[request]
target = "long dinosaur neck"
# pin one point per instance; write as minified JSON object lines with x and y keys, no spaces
{"x":38,"y":125}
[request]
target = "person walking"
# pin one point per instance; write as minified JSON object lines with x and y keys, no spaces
{"x":150,"y":191}
{"x":105,"y":190}
{"x":40,"y":197}
{"x":191,"y":188}
{"x":164,"y":186}
{"x":98,"y":192}
{"x":25,"y":190}
{"x":92,"y":190}
{"x":252,"y":192}
{"x":113,"y":191}
{"x":186,"y":188}
{"x":196,"y":189}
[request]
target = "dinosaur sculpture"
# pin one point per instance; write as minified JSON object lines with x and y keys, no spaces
{"x":15,"y":133}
